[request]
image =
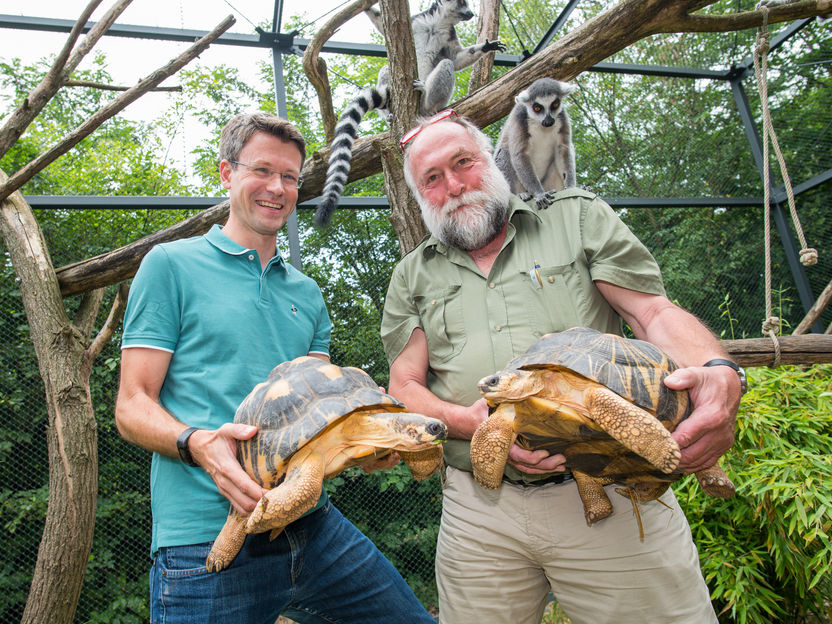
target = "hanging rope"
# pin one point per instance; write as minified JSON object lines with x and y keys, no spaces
{"x":808,"y":256}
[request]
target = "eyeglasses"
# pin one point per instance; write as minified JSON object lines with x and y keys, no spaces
{"x":289,"y":180}
{"x":443,"y":114}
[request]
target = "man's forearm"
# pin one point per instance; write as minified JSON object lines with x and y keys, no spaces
{"x":145,"y":423}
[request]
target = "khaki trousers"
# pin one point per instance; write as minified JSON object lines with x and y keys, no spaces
{"x":500,"y":552}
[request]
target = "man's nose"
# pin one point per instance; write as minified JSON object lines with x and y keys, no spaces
{"x":275,"y":184}
{"x":455,"y":185}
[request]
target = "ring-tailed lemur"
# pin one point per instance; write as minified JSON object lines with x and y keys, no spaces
{"x":535,"y":151}
{"x":439,"y":55}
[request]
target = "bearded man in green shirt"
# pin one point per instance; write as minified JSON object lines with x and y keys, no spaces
{"x":495,"y":275}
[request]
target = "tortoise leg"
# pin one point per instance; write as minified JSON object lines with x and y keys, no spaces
{"x":228,"y":542}
{"x":597,"y":505}
{"x":635,"y":428}
{"x":423,"y":464}
{"x":715,"y":482}
{"x":490,"y":445}
{"x":292,"y":498}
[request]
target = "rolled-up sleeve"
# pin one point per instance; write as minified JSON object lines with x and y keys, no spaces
{"x":400,"y":317}
{"x":614,"y":254}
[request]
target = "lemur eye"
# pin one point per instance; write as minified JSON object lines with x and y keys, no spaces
{"x":555,"y":104}
{"x":537,"y":108}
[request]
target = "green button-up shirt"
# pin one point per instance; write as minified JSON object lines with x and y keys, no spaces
{"x":542,"y":281}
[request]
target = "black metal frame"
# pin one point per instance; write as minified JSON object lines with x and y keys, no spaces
{"x":287,"y":43}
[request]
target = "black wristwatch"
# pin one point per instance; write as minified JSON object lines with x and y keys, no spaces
{"x":736,"y":367}
{"x":182,"y":446}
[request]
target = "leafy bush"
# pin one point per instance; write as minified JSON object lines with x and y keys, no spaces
{"x":766,"y":554}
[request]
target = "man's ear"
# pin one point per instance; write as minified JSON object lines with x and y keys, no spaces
{"x":225,"y":174}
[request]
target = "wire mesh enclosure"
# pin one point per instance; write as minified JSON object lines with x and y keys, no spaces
{"x":670,"y":150}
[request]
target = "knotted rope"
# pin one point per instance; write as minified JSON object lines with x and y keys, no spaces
{"x":808,"y":256}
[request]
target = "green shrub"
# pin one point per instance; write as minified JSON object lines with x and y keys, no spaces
{"x":766,"y":554}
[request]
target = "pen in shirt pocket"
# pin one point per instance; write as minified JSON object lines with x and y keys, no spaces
{"x":534,"y":274}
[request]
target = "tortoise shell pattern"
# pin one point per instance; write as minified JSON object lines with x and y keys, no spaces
{"x":300,"y":399}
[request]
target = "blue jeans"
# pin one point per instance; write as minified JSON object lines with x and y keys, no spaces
{"x":320,"y":569}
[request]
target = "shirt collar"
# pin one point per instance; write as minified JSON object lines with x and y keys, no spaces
{"x":218,"y":239}
{"x":515,"y":207}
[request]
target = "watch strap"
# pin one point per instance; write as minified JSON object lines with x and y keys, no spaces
{"x":182,"y":446}
{"x":740,"y":371}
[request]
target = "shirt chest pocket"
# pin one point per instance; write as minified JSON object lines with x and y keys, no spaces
{"x":441,"y":313}
{"x":551,"y":298}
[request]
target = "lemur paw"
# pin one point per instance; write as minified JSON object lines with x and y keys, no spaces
{"x":525,"y":196}
{"x":544,"y":199}
{"x":419,"y":86}
{"x":488,"y":46}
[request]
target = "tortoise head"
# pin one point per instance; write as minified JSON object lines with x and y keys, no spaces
{"x":400,"y":430}
{"x":510,"y":385}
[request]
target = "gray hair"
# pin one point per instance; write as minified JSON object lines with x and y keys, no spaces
{"x":482,"y":140}
{"x":239,"y":130}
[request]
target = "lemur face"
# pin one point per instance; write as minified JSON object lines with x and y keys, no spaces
{"x":460,"y":8}
{"x":544,"y":109}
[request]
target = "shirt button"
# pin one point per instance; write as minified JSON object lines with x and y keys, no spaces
{"x":251,"y":256}
{"x":551,"y":279}
{"x":433,"y":302}
{"x":492,"y":285}
{"x":497,"y":328}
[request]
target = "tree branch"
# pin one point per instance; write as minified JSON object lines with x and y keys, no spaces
{"x":108,"y":87}
{"x":315,"y":67}
{"x":109,"y":328}
{"x":103,"y":114}
{"x":87,"y":311}
{"x":33,"y":104}
{"x":122,"y":263}
{"x":488,"y":27}
{"x":815,"y":311}
{"x":746,"y":19}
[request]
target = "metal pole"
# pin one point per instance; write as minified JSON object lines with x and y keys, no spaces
{"x":292,"y":229}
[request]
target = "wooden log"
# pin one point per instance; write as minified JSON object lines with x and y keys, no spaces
{"x":122,"y":263}
{"x":799,"y":350}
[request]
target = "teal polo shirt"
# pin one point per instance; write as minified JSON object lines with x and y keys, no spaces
{"x":227,"y":324}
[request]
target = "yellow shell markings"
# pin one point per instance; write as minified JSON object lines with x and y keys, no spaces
{"x":277,"y":389}
{"x":331,"y":371}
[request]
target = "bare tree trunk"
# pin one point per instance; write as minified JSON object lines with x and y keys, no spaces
{"x":401,"y":52}
{"x":71,"y":432}
{"x":488,"y":27}
{"x":315,"y":67}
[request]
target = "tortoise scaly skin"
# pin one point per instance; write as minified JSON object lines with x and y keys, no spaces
{"x":315,"y":419}
{"x":599,"y":400}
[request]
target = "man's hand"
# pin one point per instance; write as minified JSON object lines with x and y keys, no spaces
{"x":381,"y":463}
{"x":216,"y":451}
{"x":709,"y":430}
{"x":535,"y":462}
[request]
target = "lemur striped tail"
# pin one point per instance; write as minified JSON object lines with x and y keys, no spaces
{"x":340,"y":156}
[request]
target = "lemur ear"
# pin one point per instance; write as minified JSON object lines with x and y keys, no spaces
{"x":522,"y":97}
{"x":569,"y":87}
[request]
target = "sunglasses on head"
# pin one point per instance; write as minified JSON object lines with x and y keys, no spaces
{"x":443,"y":114}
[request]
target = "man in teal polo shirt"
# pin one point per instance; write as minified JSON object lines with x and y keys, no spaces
{"x":207,"y":319}
{"x":495,"y":275}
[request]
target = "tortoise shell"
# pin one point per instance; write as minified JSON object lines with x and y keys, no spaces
{"x":299,"y":400}
{"x":631,"y":368}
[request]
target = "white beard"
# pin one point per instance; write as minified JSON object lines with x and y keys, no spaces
{"x":479,"y":222}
